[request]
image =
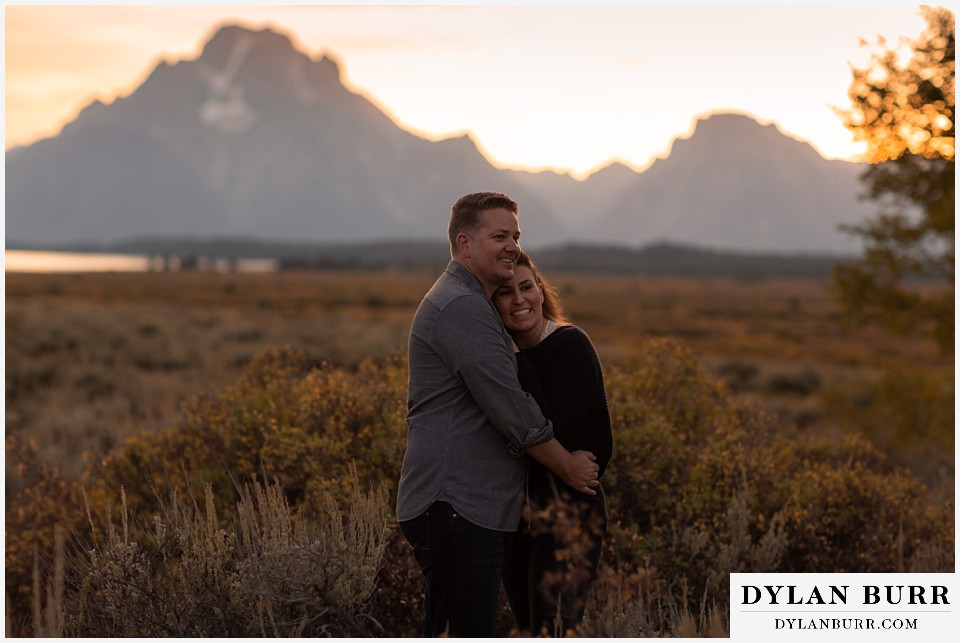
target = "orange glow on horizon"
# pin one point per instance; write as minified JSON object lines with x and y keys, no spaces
{"x":547,"y":87}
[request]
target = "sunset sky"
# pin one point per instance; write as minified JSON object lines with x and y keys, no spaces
{"x":562,"y":86}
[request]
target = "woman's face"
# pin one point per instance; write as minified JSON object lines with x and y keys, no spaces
{"x":520,"y":302}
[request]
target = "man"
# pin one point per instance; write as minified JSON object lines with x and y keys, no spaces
{"x":469,"y":424}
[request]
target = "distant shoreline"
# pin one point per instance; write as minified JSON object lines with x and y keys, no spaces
{"x":242,"y":255}
{"x":56,"y":261}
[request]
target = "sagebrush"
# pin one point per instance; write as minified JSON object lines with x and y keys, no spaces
{"x":701,"y":484}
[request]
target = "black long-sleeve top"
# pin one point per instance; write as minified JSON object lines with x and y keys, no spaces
{"x":564,"y":376}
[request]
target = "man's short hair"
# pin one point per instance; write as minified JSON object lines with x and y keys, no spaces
{"x":465,"y":214}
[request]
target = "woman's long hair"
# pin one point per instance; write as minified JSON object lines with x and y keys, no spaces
{"x":552,"y":309}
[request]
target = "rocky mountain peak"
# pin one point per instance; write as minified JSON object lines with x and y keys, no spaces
{"x":729,"y":124}
{"x":255,"y":137}
{"x":233,"y":40}
{"x":263,"y":58}
{"x":720,"y":135}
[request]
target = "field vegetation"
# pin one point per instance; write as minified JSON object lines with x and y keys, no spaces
{"x":181,"y":445}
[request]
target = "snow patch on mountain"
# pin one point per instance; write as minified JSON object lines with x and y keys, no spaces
{"x":230,"y":114}
{"x":225,"y":108}
{"x":222,"y":81}
{"x":301,"y":83}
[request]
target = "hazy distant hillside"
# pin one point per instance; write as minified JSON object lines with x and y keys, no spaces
{"x":578,"y":204}
{"x":736,"y":184}
{"x":255,"y":139}
{"x":663,"y":259}
{"x":252,"y":138}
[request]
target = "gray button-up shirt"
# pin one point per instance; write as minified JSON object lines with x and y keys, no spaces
{"x":468,"y":420}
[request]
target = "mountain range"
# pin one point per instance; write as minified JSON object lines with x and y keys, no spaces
{"x":254,"y":138}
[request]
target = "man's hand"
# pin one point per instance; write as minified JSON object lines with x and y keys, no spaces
{"x":583,"y":470}
{"x":578,"y":469}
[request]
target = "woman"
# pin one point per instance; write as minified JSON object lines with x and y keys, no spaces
{"x":557,"y":548}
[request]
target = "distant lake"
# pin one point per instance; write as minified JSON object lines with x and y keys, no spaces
{"x":47,"y":261}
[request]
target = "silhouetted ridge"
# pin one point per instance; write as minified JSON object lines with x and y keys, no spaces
{"x":253,"y":138}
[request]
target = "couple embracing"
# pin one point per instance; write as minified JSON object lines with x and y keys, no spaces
{"x":508,"y":436}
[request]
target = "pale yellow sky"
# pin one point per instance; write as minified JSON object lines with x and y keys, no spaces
{"x":569,"y":87}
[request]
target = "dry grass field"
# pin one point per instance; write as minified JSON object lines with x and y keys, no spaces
{"x":746,"y":415}
{"x":92,"y":358}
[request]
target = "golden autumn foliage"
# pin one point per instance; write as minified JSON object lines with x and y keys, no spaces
{"x":701,"y":484}
{"x":905,"y":112}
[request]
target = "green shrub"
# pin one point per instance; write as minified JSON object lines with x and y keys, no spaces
{"x":907,"y":413}
{"x":38,"y":500}
{"x":701,"y":484}
{"x":303,"y":422}
{"x":262,"y":572}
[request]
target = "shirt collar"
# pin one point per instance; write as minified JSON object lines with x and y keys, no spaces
{"x":458,"y":270}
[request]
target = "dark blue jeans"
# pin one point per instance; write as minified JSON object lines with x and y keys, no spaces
{"x":461,"y":564}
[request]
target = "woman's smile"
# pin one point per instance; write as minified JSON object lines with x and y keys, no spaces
{"x":520,"y":304}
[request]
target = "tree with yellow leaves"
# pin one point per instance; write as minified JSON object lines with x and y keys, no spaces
{"x":904,"y":112}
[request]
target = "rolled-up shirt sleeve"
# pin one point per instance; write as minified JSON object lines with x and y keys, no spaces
{"x":473,"y":343}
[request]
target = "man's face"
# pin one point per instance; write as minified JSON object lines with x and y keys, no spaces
{"x":491,"y":250}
